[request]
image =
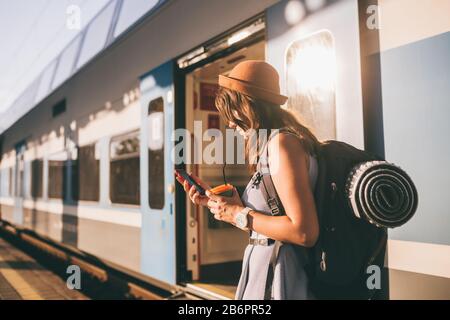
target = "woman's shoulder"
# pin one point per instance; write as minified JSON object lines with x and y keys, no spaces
{"x":288,"y":146}
{"x":286,"y":141}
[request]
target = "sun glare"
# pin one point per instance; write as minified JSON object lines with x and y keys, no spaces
{"x":315,"y":68}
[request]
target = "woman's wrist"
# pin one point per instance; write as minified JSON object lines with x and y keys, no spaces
{"x":235,"y":213}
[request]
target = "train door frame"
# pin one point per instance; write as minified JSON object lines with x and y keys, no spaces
{"x":158,"y":247}
{"x":182,"y":68}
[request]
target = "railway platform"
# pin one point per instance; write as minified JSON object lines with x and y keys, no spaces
{"x":23,"y":278}
{"x":36,"y":268}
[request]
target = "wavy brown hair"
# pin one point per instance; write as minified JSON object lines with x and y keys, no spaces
{"x":251,"y":113}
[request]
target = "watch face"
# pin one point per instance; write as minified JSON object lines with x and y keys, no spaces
{"x":241,"y":221}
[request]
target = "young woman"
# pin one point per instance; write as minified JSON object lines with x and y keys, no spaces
{"x":249,"y":99}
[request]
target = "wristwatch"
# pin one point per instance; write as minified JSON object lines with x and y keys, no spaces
{"x":241,"y":219}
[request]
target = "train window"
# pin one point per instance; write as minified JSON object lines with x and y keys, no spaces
{"x":124,"y":169}
{"x":37,"y":167}
{"x":130,"y":12}
{"x":56,"y":181}
{"x":86,"y":174}
{"x":4,"y":182}
{"x":310,"y":81}
{"x":156,"y":153}
{"x":59,"y":108}
{"x":66,"y":62}
{"x":45,"y":81}
{"x":27,"y":179}
{"x":19,"y":185}
{"x":96,"y":34}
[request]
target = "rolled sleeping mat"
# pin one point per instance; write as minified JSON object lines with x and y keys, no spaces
{"x":381,"y":193}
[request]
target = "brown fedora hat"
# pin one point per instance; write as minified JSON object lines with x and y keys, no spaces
{"x":255,"y":78}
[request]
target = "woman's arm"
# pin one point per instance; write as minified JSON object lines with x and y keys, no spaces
{"x":289,"y":170}
{"x":290,"y":177}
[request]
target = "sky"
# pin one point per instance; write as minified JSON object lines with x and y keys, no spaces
{"x":33,"y":32}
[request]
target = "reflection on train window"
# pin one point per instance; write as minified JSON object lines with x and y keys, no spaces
{"x":86,"y":174}
{"x":37,"y":167}
{"x":156,"y":153}
{"x":4,"y":180}
{"x":124,"y":169}
{"x":310,"y":80}
{"x":56,"y":185}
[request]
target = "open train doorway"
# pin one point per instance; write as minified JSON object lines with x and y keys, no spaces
{"x":214,"y":249}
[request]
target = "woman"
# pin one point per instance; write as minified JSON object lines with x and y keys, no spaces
{"x":249,"y":99}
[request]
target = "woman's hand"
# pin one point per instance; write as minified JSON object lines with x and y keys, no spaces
{"x":193,"y":194}
{"x":225,"y":208}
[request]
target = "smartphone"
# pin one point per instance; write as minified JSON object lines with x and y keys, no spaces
{"x":185,"y":176}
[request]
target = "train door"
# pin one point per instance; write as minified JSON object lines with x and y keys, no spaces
{"x":316,"y":50}
{"x":158,"y":258}
{"x":215,"y":249}
{"x":19,"y":190}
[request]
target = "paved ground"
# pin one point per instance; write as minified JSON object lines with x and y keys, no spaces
{"x":22,"y":278}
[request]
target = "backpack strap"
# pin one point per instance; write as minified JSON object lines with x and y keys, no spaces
{"x":270,"y":195}
{"x":268,"y":189}
{"x":381,"y":245}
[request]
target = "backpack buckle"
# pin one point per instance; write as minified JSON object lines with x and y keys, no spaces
{"x":323,"y":261}
{"x":273,"y":205}
{"x":257,"y":178}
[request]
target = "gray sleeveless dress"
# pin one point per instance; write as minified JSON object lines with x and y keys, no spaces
{"x":289,"y":281}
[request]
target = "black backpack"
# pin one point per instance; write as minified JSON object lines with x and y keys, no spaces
{"x":347,"y":245}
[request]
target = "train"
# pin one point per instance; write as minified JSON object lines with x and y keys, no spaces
{"x":90,"y":164}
